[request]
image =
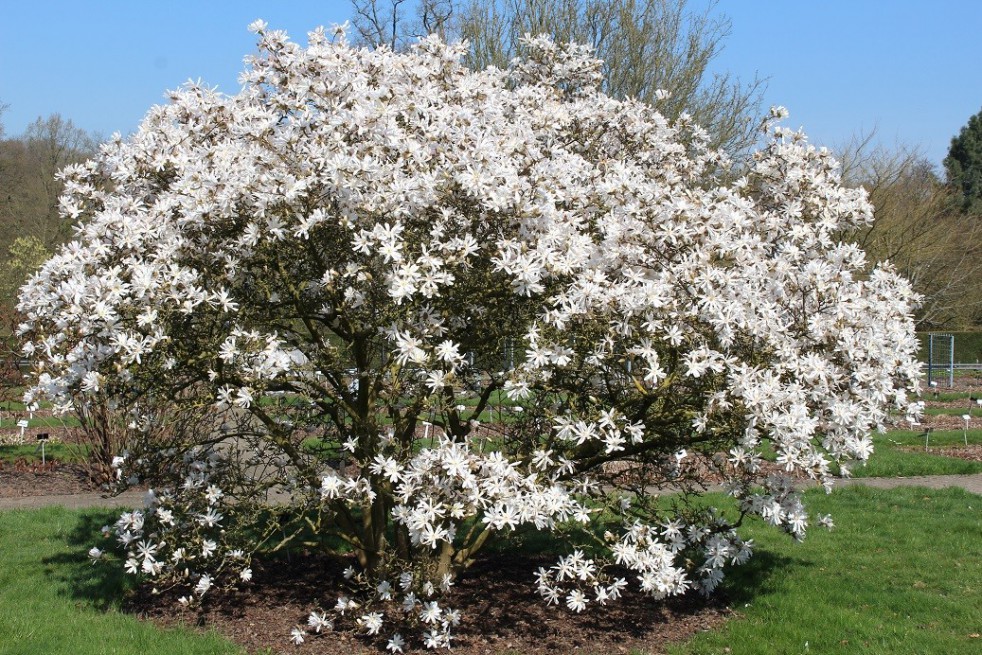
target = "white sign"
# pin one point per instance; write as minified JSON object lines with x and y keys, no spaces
{"x":23,"y":423}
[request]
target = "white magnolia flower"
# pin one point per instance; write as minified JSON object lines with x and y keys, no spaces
{"x":203,"y":585}
{"x":371,"y":622}
{"x":317,"y":622}
{"x":395,"y":643}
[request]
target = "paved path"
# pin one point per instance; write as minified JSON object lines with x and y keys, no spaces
{"x":971,"y":483}
{"x":74,"y":501}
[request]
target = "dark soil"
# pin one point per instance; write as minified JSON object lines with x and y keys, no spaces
{"x":947,"y":422}
{"x":500,"y":613}
{"x":22,"y":478}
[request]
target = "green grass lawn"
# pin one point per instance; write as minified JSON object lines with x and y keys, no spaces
{"x":32,"y":452}
{"x":938,"y":438}
{"x":54,"y":602}
{"x":900,"y":574}
{"x":947,"y":396}
{"x":888,"y":460}
{"x":11,"y":405}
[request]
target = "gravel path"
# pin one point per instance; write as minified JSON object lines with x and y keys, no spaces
{"x":972,"y":483}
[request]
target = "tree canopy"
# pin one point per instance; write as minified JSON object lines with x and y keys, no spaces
{"x":963,"y":164}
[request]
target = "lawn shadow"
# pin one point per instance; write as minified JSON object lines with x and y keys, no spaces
{"x":758,"y":577}
{"x":103,"y":584}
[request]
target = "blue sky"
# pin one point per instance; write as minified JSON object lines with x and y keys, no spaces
{"x":910,"y":69}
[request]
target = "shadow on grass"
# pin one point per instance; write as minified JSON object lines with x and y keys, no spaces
{"x":103,"y":584}
{"x":758,"y":577}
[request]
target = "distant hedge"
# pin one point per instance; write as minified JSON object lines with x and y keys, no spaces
{"x":968,"y":347}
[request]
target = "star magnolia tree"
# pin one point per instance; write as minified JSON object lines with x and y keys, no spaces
{"x":431,"y":306}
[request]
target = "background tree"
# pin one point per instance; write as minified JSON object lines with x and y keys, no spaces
{"x":29,"y":191}
{"x":648,"y":47}
{"x":919,"y":228}
{"x":399,"y":23}
{"x":51,"y":144}
{"x":963,"y":164}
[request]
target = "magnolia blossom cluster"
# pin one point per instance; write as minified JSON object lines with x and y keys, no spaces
{"x":179,"y":539}
{"x":407,"y":599}
{"x":655,"y":554}
{"x":361,"y":241}
{"x":449,"y":484}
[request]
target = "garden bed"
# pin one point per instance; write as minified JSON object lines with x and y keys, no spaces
{"x":500,"y":613}
{"x":19,"y":479}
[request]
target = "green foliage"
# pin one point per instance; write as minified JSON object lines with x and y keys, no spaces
{"x":24,"y":256}
{"x":964,"y":163}
{"x":906,"y":580}
{"x":55,"y":602}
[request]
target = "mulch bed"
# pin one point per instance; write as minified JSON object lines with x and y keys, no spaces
{"x":946,"y":422}
{"x":20,"y":479}
{"x":500,"y":613}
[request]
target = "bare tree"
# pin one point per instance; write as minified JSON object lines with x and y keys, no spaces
{"x":396,"y":23}
{"x":28,"y":165}
{"x":918,"y":227}
{"x":646,"y":45}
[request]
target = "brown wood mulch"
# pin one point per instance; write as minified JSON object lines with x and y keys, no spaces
{"x":500,"y":613}
{"x":21,"y":479}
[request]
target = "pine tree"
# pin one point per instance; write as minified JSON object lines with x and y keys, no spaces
{"x":963,"y":164}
